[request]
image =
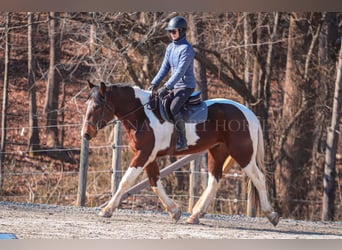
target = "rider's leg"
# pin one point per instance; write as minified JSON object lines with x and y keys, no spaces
{"x":181,"y":95}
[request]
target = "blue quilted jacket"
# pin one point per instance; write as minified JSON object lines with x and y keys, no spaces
{"x":179,"y":57}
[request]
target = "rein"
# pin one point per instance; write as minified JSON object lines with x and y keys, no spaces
{"x":114,"y":121}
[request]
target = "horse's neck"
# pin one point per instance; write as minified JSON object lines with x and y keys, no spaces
{"x":124,"y":102}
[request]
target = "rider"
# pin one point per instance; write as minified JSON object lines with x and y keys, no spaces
{"x":179,"y":57}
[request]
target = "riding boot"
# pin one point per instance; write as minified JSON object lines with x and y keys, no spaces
{"x":181,"y":137}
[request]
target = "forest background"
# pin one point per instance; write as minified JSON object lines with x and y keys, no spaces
{"x":284,"y":66}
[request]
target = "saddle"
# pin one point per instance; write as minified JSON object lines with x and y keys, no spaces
{"x":193,"y":111}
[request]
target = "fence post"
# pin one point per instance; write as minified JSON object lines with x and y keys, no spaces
{"x":193,"y":190}
{"x":82,"y":183}
{"x":116,"y":157}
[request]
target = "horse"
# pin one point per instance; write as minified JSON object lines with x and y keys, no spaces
{"x":232,"y":132}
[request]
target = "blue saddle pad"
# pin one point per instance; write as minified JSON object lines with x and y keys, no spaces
{"x":195,"y":113}
{"x":192,"y":113}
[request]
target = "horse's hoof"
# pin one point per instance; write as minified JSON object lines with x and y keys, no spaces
{"x":192,"y":220}
{"x":274,"y":218}
{"x":105,"y":213}
{"x":202,"y":214}
{"x":176,"y":216}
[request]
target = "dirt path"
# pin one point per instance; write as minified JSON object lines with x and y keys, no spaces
{"x":28,"y":221}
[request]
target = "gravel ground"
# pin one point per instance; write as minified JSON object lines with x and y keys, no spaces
{"x":33,"y":221}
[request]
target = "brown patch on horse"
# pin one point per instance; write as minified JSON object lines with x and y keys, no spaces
{"x":232,"y":129}
{"x":152,"y":171}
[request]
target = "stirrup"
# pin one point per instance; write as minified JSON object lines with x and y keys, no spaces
{"x":181,"y":146}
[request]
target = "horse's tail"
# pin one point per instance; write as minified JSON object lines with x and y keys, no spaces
{"x":253,"y":202}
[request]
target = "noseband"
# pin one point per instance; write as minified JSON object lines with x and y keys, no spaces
{"x":98,"y":124}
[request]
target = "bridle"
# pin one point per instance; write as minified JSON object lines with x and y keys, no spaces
{"x":97,"y":125}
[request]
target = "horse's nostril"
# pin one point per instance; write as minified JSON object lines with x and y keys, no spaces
{"x":87,"y":136}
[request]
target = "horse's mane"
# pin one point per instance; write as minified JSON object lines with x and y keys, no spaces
{"x":94,"y":92}
{"x":100,"y":99}
{"x":121,"y":85}
{"x":127,"y":85}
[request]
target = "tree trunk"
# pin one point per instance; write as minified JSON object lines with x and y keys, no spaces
{"x":331,"y":148}
{"x":196,"y":36}
{"x":5,"y":97}
{"x":266,"y":106}
{"x":288,"y":161}
{"x":247,"y":41}
{"x":256,"y":36}
{"x":52,"y":91}
{"x":298,"y":123}
{"x":33,"y":142}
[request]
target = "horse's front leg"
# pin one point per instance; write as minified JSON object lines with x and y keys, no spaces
{"x":137,"y":165}
{"x":170,"y":206}
{"x":126,"y":182}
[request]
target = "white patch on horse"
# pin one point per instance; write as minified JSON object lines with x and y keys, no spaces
{"x":259,"y":182}
{"x":126,"y":182}
{"x":163,"y":132}
{"x":191,"y":135}
{"x":206,"y":198}
{"x":169,"y":204}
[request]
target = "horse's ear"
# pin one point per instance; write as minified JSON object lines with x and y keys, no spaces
{"x":102,"y":88}
{"x":90,"y":85}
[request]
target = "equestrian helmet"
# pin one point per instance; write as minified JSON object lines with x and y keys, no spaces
{"x":179,"y":23}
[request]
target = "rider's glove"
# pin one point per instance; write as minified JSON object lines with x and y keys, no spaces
{"x":163,"y":92}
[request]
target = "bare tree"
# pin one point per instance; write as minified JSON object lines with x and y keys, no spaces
{"x":5,"y":96}
{"x":332,"y":143}
{"x":196,"y":26}
{"x":52,"y":90}
{"x":298,"y":116}
{"x":33,"y":142}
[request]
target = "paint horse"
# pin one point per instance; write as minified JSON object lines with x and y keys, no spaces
{"x":231,"y":132}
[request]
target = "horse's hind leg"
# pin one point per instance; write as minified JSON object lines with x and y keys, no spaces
{"x":170,"y":206}
{"x":258,"y":179}
{"x":216,"y":159}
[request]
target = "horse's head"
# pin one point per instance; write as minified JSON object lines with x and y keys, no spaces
{"x":99,"y":113}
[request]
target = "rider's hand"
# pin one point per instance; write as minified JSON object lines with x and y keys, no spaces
{"x":163,"y":92}
{"x":152,"y":87}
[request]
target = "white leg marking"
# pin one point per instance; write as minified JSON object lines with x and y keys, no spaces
{"x":259,"y":182}
{"x":126,"y":182}
{"x":206,"y":198}
{"x":169,"y":204}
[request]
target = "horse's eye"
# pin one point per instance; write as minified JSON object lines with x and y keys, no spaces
{"x":97,"y":106}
